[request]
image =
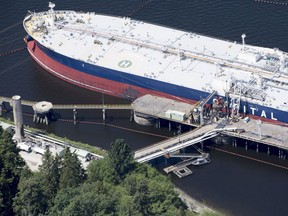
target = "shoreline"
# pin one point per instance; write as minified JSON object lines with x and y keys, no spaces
{"x":194,"y":205}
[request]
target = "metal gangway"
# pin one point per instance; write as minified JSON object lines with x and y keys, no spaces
{"x":201,"y":105}
{"x":176,"y":143}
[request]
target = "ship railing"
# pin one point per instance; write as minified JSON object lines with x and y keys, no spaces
{"x":248,"y":90}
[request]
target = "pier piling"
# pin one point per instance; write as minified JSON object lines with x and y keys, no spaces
{"x":1,"y":108}
{"x":41,"y":112}
{"x":75,"y":116}
{"x":104,"y":116}
{"x":131,"y":115}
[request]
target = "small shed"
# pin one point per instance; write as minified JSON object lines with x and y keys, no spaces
{"x":175,"y":115}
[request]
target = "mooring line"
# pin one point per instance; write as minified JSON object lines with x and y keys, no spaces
{"x":110,"y":125}
{"x":247,"y":157}
{"x":13,"y":51}
{"x":272,"y":2}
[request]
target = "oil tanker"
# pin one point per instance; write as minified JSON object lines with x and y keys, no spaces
{"x":131,"y":58}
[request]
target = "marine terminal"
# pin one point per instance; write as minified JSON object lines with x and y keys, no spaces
{"x":130,"y":58}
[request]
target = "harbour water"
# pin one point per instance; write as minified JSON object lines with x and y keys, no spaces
{"x":234,"y":185}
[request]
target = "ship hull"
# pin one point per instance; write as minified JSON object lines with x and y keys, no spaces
{"x":130,"y":86}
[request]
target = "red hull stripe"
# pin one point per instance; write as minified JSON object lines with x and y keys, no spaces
{"x":91,"y":82}
{"x":100,"y":84}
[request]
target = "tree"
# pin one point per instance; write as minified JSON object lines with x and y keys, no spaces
{"x":100,"y":170}
{"x":126,"y":206}
{"x":31,"y":198}
{"x":141,"y":198}
{"x":120,"y":159}
{"x":72,"y":173}
{"x":88,"y":199}
{"x":11,"y":165}
{"x":50,"y":173}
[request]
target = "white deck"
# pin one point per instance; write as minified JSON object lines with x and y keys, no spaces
{"x":169,"y":55}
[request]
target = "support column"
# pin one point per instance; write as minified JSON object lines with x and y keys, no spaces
{"x":201,"y":116}
{"x":268,"y":150}
{"x":18,"y":119}
{"x":179,"y":129}
{"x":46,"y":119}
{"x":1,"y":108}
{"x":169,"y":126}
{"x":131,"y":115}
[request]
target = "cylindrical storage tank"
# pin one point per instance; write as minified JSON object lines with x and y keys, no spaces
{"x":18,"y":118}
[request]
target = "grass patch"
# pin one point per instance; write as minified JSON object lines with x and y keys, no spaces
{"x":87,"y":147}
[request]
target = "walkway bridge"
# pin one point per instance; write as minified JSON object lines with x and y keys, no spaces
{"x":176,"y":143}
{"x":74,"y":106}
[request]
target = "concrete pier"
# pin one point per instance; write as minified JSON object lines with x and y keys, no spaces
{"x":41,"y":112}
{"x":18,"y":118}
